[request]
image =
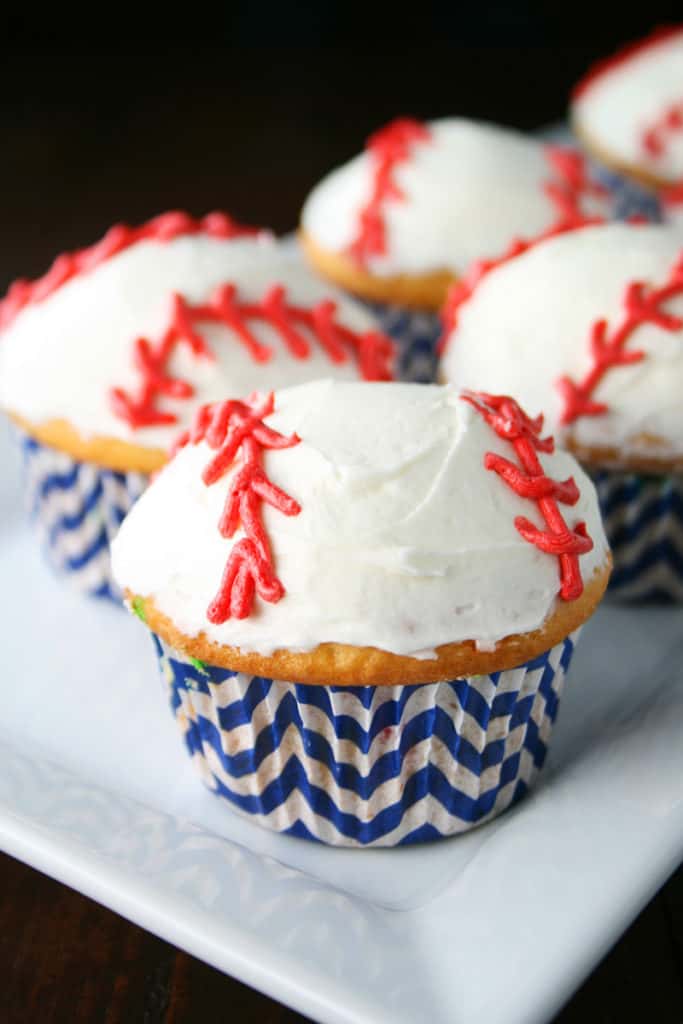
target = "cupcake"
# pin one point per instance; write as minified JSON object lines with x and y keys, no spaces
{"x":364,"y":599}
{"x":588,"y":329}
{"x":628,"y":111}
{"x":105,"y":358}
{"x":399,"y":223}
{"x":672,"y":205}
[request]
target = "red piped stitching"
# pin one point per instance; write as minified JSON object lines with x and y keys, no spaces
{"x":672,"y":196}
{"x":236,"y":429}
{"x":372,"y":350}
{"x":387,"y":148}
{"x":571,"y":186}
{"x":164,"y":228}
{"x":607,"y":64}
{"x":512,"y":424}
{"x":608,"y":352}
{"x":566,"y":193}
{"x":655,"y":138}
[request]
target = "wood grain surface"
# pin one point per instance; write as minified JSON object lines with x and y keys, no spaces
{"x":246,"y":112}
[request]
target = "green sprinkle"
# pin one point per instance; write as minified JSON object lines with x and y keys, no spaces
{"x":138,"y":607}
{"x":199,"y":665}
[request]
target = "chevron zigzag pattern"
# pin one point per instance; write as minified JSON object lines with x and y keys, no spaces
{"x":77,"y":508}
{"x":367,"y":766}
{"x":629,"y":199}
{"x":416,"y":335}
{"x":643,"y":519}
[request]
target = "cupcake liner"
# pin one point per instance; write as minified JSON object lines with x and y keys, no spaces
{"x":367,"y":766}
{"x":643,"y":517}
{"x":416,"y":335}
{"x":629,"y":199}
{"x":77,"y":508}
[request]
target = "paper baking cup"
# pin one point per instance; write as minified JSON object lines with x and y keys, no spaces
{"x":643,"y":517}
{"x":628,"y":197}
{"x":416,"y":336}
{"x":77,"y":508}
{"x":367,"y":766}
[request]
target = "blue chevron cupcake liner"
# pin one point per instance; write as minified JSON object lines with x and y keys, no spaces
{"x":643,"y":518}
{"x":367,"y":766}
{"x":629,"y":199}
{"x":77,"y":508}
{"x":416,"y":335}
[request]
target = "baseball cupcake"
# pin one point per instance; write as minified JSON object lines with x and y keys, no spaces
{"x":588,"y":329}
{"x":364,"y":598}
{"x":399,"y":223}
{"x":628,"y":111}
{"x":108,"y":355}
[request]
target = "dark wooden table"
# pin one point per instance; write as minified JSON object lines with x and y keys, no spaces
{"x":245,"y":112}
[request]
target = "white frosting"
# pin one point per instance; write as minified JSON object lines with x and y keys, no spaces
{"x":404,"y":542}
{"x":620,"y":105}
{"x":469,"y":190}
{"x":529,"y":323}
{"x":60,"y":357}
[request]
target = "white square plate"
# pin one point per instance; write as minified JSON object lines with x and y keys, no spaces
{"x":496,"y":926}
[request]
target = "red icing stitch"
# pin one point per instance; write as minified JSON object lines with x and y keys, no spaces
{"x":163,"y":228}
{"x":571,"y":187}
{"x":373,"y":350}
{"x":607,"y":64}
{"x":528,"y":480}
{"x":654,"y":139}
{"x":236,"y":429}
{"x":566,"y":192}
{"x":388,"y":147}
{"x":673,"y":196}
{"x":607,"y":352}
